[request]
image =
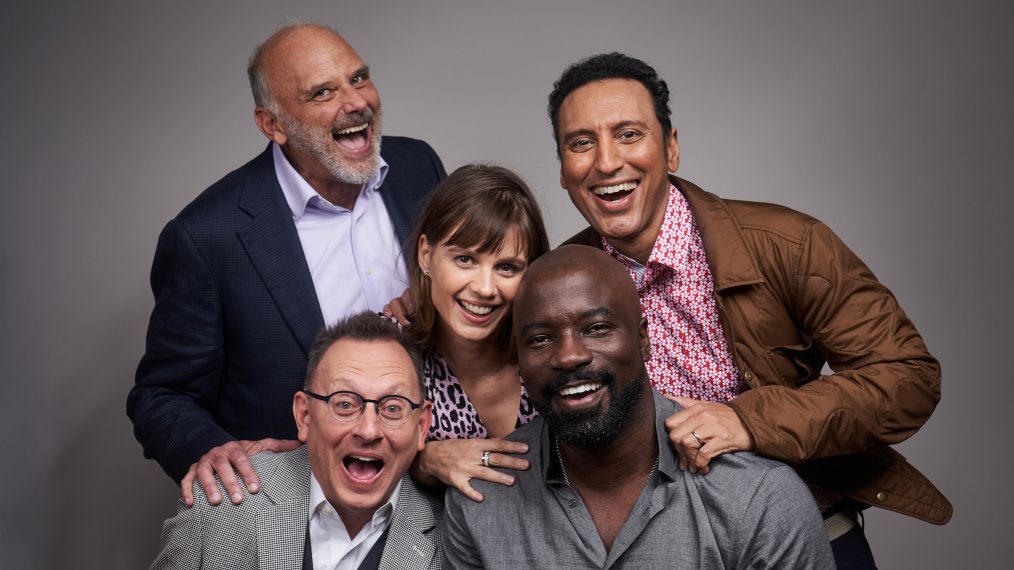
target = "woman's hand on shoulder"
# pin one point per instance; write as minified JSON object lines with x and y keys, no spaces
{"x":454,"y":462}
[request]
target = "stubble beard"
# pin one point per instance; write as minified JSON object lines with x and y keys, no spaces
{"x":318,"y":142}
{"x":590,"y":428}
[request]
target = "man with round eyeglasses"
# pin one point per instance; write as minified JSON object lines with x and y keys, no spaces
{"x":344,"y":499}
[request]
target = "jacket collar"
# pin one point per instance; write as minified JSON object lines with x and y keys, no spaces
{"x":730,"y":259}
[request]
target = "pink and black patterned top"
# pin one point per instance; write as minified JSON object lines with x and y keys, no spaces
{"x":454,"y":416}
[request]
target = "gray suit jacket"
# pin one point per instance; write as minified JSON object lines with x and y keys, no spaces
{"x":268,"y":529}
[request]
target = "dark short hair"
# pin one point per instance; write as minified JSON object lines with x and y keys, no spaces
{"x":604,"y":66}
{"x":480,"y":206}
{"x":364,"y":327}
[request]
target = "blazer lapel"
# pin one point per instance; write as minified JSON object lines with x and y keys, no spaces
{"x":271,"y":242}
{"x":411,"y":543}
{"x":281,"y":528}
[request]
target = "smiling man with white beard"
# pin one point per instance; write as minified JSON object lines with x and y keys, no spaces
{"x":248,"y":273}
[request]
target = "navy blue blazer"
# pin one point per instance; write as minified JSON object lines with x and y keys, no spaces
{"x":236,"y":312}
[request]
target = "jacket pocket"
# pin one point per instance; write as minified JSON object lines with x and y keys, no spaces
{"x":794,"y":364}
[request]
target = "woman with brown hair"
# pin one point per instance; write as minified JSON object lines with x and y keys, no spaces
{"x":477,"y":233}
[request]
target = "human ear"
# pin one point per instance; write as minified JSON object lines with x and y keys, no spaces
{"x":269,"y":124}
{"x":672,"y":152}
{"x":425,"y":254}
{"x":301,"y":412}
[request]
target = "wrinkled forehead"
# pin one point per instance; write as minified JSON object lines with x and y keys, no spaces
{"x":372,"y":368}
{"x":306,"y":55}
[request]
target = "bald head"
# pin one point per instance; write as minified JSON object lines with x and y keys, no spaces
{"x":279,"y":49}
{"x":570,"y":264}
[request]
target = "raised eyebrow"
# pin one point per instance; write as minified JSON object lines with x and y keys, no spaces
{"x":364,"y":70}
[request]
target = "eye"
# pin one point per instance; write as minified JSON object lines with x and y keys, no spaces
{"x":629,"y":135}
{"x":464,"y":259}
{"x":508,"y":268}
{"x":360,"y":78}
{"x":580,"y":145}
{"x":598,"y":329}
{"x":538,"y":340}
{"x":322,"y":93}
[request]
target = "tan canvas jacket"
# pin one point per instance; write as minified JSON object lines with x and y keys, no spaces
{"x":791,"y":296}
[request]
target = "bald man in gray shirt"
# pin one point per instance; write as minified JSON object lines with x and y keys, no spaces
{"x":604,"y":489}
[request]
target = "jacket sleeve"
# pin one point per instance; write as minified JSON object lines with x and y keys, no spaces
{"x":885,"y":383}
{"x":178,"y":379}
{"x":182,"y":543}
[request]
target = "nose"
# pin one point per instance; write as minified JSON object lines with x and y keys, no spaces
{"x":570,"y":353}
{"x":607,"y":157}
{"x":353,"y":101}
{"x":368,"y":426}
{"x":484,"y":282}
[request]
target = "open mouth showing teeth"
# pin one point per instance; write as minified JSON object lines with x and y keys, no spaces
{"x":614,"y":192}
{"x":476,"y":309}
{"x":580,"y":390}
{"x":352,"y":137}
{"x":363,"y":468}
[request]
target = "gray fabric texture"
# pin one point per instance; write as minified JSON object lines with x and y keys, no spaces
{"x":268,"y":529}
{"x":748,"y":512}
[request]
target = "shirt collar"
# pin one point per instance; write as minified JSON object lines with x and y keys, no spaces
{"x":298,"y":192}
{"x":381,"y":516}
{"x":671,"y":247}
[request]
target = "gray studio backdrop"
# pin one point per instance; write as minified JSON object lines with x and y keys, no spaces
{"x":891,"y":121}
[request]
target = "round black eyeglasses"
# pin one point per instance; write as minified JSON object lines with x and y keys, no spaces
{"x":347,"y":406}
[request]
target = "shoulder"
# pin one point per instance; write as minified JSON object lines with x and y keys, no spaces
{"x":405,"y":150}
{"x":224,"y":195}
{"x":422,"y":504}
{"x":771,"y":219}
{"x":587,"y":236}
{"x":738,"y":481}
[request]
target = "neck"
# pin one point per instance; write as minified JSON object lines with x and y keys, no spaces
{"x":638,"y":249}
{"x":472,"y":360}
{"x":633,"y":451}
{"x":337,"y":192}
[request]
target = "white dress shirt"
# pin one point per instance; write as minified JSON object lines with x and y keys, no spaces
{"x":332,"y":547}
{"x":354,"y":257}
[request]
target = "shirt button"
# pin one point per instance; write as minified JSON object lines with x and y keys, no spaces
{"x":327,"y":510}
{"x":369,"y":270}
{"x":572,"y":503}
{"x":881,"y":496}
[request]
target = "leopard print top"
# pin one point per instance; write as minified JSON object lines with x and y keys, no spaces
{"x":454,"y":417}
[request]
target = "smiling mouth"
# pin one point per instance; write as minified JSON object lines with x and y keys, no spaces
{"x":363,"y":469}
{"x":579,"y":391}
{"x":614,"y":192}
{"x":352,"y":138}
{"x":477,"y":310}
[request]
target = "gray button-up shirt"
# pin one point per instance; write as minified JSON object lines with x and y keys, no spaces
{"x":747,"y":512}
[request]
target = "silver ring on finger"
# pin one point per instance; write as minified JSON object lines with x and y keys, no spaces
{"x":485,"y":458}
{"x":698,"y":438}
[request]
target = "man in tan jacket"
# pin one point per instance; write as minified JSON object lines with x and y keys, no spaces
{"x":746,"y":302}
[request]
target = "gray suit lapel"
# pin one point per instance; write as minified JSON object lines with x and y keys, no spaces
{"x":281,"y":527}
{"x":412,"y":542}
